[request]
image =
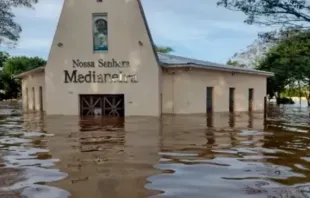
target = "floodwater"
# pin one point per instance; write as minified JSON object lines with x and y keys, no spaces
{"x":219,"y":156}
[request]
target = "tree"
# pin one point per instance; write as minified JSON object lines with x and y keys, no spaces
{"x":9,"y":85}
{"x":289,"y":59}
{"x":13,"y":66}
{"x":289,"y":16}
{"x":235,"y":63}
{"x":164,"y":50}
{"x":9,"y":29}
{"x":286,"y":13}
{"x":3,"y":57}
{"x":16,"y":65}
{"x":252,"y":55}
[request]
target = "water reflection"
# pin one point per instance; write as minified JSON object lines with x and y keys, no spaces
{"x":105,"y":157}
{"x":26,"y":163}
{"x":250,"y":120}
{"x":234,"y":163}
{"x":232,"y":120}
{"x":98,"y":132}
{"x":220,"y":155}
{"x":210,"y":120}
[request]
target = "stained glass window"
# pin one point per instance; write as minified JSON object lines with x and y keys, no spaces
{"x":100,"y":32}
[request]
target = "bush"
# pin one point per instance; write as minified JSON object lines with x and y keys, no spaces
{"x":285,"y":100}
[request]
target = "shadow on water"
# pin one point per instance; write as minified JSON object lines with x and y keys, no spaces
{"x":221,"y":155}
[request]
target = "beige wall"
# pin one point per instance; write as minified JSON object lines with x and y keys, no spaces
{"x":185,"y":91}
{"x":32,"y":99}
{"x":181,"y":93}
{"x":128,"y":41}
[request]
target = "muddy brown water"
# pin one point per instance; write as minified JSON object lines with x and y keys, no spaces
{"x":219,"y":156}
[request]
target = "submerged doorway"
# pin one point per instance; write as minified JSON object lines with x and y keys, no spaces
{"x":33,"y":99}
{"x":209,"y":100}
{"x":104,"y":105}
{"x":231,"y":99}
{"x":251,"y":90}
{"x":41,"y":98}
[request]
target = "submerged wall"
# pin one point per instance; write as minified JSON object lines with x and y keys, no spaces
{"x":184,"y":92}
{"x":31,"y":94}
{"x":109,"y":53}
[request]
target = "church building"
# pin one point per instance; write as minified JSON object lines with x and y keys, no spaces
{"x":103,"y":62}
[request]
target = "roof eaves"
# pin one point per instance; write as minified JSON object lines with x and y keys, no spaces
{"x":38,"y":69}
{"x":217,"y":68}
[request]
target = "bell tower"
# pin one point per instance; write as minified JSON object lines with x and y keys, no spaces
{"x":102,"y":47}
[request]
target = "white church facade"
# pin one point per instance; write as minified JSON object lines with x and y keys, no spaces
{"x":103,"y":61}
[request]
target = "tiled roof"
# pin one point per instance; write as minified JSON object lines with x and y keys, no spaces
{"x":173,"y":61}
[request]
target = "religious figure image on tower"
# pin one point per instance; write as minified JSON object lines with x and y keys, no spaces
{"x":100,"y":32}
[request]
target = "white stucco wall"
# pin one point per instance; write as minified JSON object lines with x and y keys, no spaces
{"x":33,"y":81}
{"x":128,"y":41}
{"x":185,"y":91}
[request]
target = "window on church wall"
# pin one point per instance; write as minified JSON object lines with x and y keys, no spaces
{"x":100,"y":32}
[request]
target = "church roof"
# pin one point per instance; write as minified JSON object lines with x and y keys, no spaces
{"x":31,"y":71}
{"x":173,"y":61}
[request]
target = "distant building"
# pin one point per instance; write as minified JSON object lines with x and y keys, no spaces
{"x":103,"y":61}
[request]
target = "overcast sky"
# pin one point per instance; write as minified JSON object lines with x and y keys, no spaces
{"x":193,"y":28}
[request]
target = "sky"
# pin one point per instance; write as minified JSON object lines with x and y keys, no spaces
{"x":193,"y":28}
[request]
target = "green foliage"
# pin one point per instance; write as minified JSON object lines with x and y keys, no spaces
{"x":12,"y":66}
{"x":253,"y":53}
{"x":275,"y":36}
{"x":164,"y":50}
{"x":235,"y":63}
{"x":289,"y":59}
{"x":285,"y":100}
{"x":3,"y":57}
{"x":288,"y":13}
{"x":9,"y":29}
{"x":288,"y":16}
{"x":294,"y":92}
{"x":9,"y":85}
{"x":16,"y":65}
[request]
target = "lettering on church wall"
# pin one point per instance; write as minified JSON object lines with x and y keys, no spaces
{"x":77,"y":63}
{"x":78,"y":76}
{"x":100,"y":44}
